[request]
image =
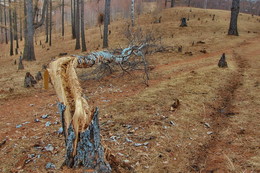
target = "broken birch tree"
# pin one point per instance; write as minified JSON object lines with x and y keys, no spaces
{"x":80,"y":121}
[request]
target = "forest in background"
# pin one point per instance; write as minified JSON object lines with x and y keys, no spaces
{"x":119,"y":9}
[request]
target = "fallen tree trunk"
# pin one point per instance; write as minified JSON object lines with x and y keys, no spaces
{"x":80,"y":121}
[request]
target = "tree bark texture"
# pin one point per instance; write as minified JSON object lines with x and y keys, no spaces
{"x":83,"y":41}
{"x":106,"y":22}
{"x":79,"y":120}
{"x":108,"y":11}
{"x":28,"y":53}
{"x":77,"y":27}
{"x":233,"y":20}
{"x":11,"y":30}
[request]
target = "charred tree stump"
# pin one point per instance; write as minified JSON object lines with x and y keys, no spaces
{"x":20,"y":64}
{"x":29,"y":80}
{"x":38,"y":76}
{"x":79,"y":121}
{"x":222,"y":62}
{"x":213,"y":18}
{"x":90,"y":152}
{"x":183,"y":22}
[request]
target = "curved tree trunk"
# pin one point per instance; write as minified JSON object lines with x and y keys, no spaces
{"x":233,"y":20}
{"x":79,"y":120}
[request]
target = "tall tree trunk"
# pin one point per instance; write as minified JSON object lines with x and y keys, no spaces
{"x":233,"y":20}
{"x":72,"y":2}
{"x":77,"y":27}
{"x":11,"y":30}
{"x":50,"y":22}
{"x":62,"y":16}
{"x":72,"y":19}
{"x":165,"y":3}
{"x":172,"y":3}
{"x":108,"y":11}
{"x":21,"y":22}
{"x":83,"y":42}
{"x":6,"y":38}
{"x":106,"y":20}
{"x":28,"y":53}
{"x":47,"y":23}
{"x":16,"y":29}
{"x":133,"y":12}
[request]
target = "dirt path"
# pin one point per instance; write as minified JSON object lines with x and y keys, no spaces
{"x":222,"y":153}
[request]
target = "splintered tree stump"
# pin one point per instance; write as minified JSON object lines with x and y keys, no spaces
{"x":222,"y":62}
{"x":79,"y":121}
{"x":90,"y":152}
{"x":29,"y":80}
{"x":183,"y":22}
